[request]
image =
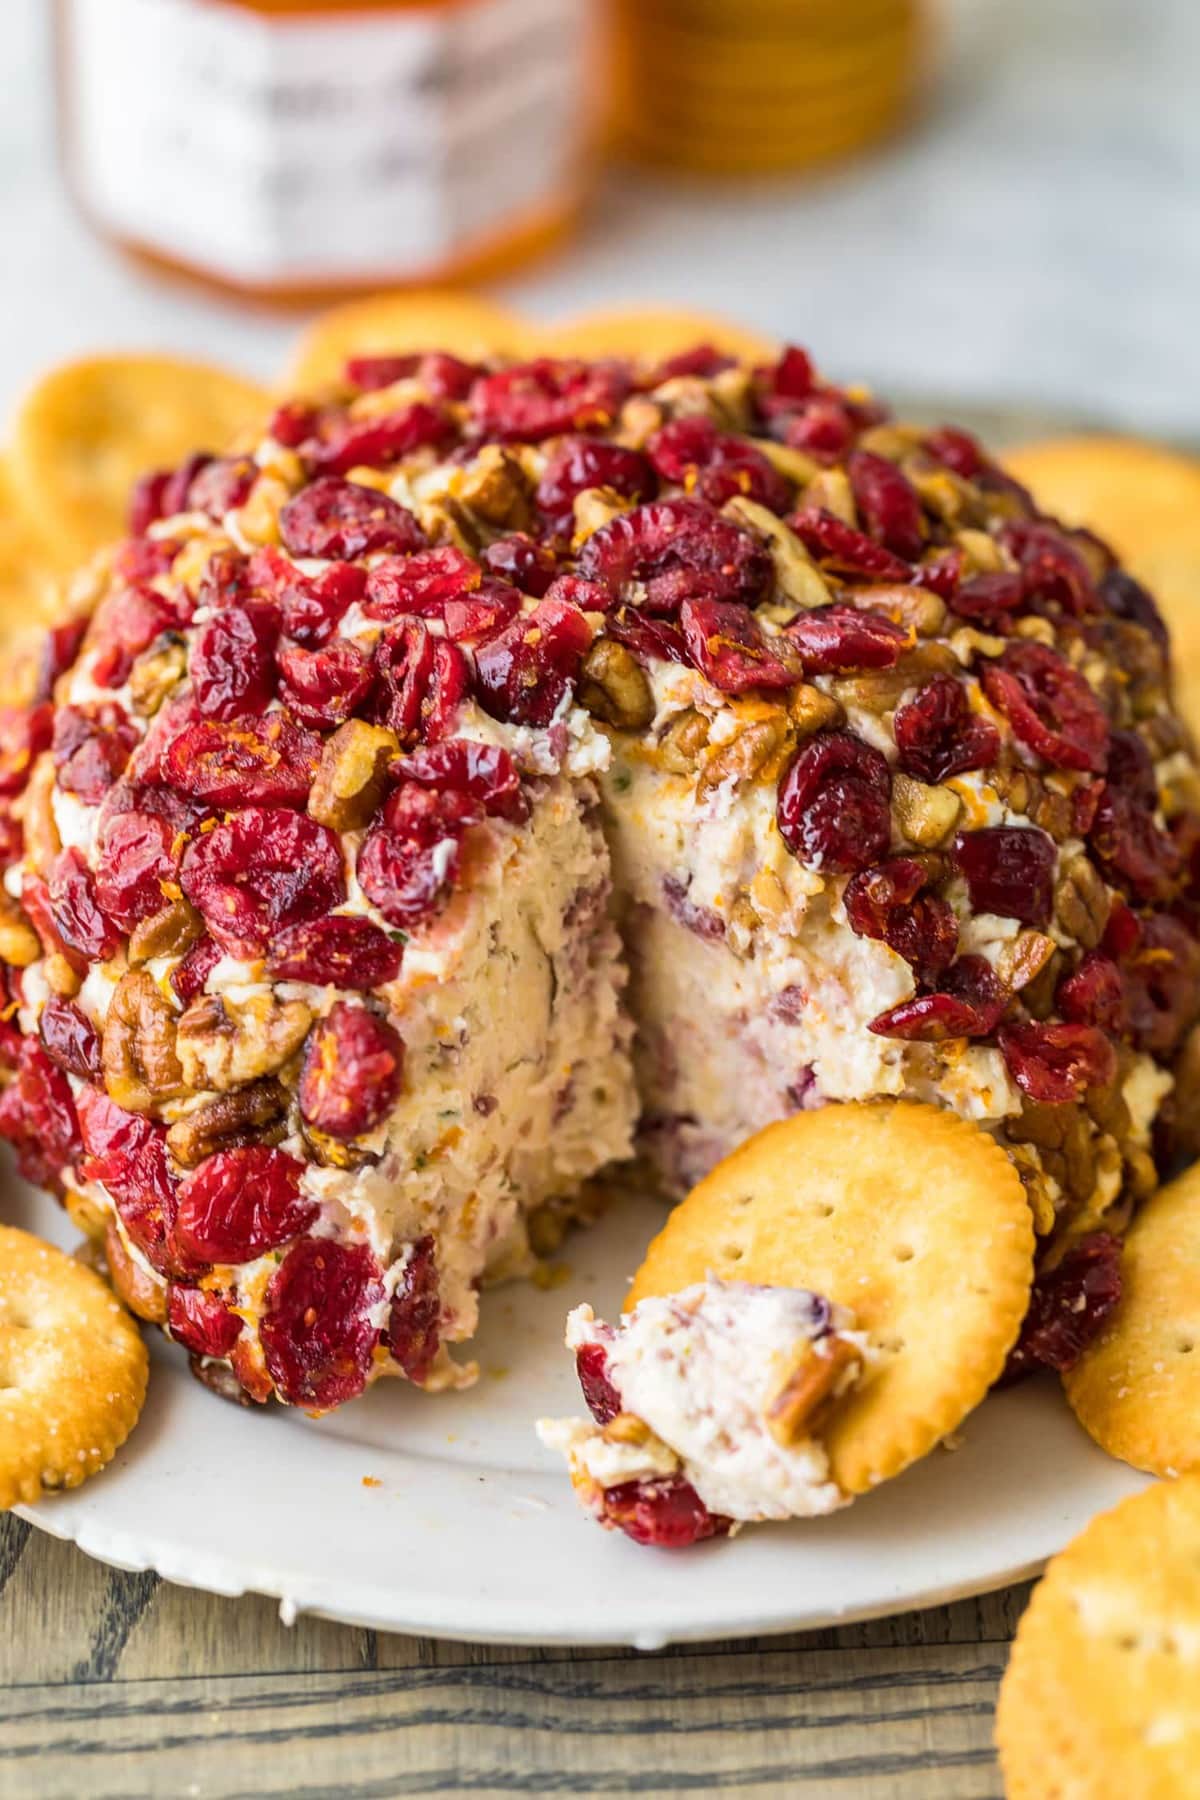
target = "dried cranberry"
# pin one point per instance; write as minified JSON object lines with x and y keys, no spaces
{"x":126,"y":623}
{"x":885,"y":902}
{"x":651,"y":640}
{"x":525,"y":669}
{"x":1049,"y":705}
{"x":227,"y":580}
{"x":77,"y":917}
{"x":338,"y":443}
{"x":340,"y":950}
{"x":1067,"y":1307}
{"x":409,"y":862}
{"x":230,"y":661}
{"x":201,"y":1322}
{"x":957,"y":449}
{"x":518,"y":559}
{"x":673,"y":550}
{"x":548,"y":396}
{"x":1009,"y":870}
{"x":222,"y":485}
{"x":420,"y":584}
{"x":60,"y":647}
{"x":141,"y":560}
{"x":1093,"y":994}
{"x":340,"y":520}
{"x":353,"y":1066}
{"x":12,"y":835}
{"x":969,"y":1002}
{"x":136,"y":858}
{"x":37,"y":1116}
{"x":92,"y":745}
{"x":1056,"y":1063}
{"x":69,"y":1038}
{"x":24,"y":733}
{"x":822,"y":426}
{"x":146,"y":501}
{"x":312,"y":606}
{"x":1052,"y":570}
{"x":485,"y":772}
{"x":602,"y":1398}
{"x":268,"y":761}
{"x":667,"y":1512}
{"x":425,"y":680}
{"x":990,"y":600}
{"x":175,"y":498}
{"x":127,"y":1153}
{"x":833,"y":807}
{"x":792,"y":377}
{"x":887,"y":503}
{"x":259,"y":871}
{"x":1162,"y":984}
{"x":317,"y":1335}
{"x":703,"y":360}
{"x":193,"y":969}
{"x":237,"y":1204}
{"x":730,"y":649}
{"x":716,"y":465}
{"x":840,"y":547}
{"x":1127,"y":599}
{"x":35,"y":898}
{"x":579,"y":463}
{"x":835,"y":639}
{"x":939,"y":573}
{"x":324,"y":687}
{"x":480,"y":614}
{"x":414,"y":1323}
{"x":444,"y":376}
{"x":937,"y":735}
{"x":1134,"y":850}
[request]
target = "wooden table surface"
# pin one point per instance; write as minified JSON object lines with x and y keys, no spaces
{"x":123,"y":1685}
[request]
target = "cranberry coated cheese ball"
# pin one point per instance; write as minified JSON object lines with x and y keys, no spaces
{"x":317,"y":839}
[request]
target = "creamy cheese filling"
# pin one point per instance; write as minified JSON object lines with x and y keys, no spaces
{"x":701,"y":1370}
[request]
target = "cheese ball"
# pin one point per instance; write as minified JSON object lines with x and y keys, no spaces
{"x":495,"y":771}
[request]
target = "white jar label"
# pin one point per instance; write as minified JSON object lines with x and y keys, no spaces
{"x":307,"y":147}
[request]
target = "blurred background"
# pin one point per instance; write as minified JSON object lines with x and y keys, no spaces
{"x":993,"y":199}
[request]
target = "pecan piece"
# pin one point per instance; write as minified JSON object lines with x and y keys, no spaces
{"x":746,"y":755}
{"x":352,"y":775}
{"x":141,"y":1294}
{"x":153,"y":676}
{"x":613,"y":686}
{"x":1081,"y":902}
{"x":224,"y":1044}
{"x":42,"y":842}
{"x":137,"y":1054}
{"x":496,"y":489}
{"x":19,"y":943}
{"x":680,"y":745}
{"x":797,"y":577}
{"x":822,"y":1368}
{"x":249,"y":1115}
{"x":810,"y":710}
{"x":168,"y":932}
{"x":879,"y":690}
{"x":926,"y":815}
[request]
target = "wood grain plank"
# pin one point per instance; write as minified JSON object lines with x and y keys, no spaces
{"x":870,"y":1724}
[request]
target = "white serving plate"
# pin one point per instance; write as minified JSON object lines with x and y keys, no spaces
{"x":472,"y":1531}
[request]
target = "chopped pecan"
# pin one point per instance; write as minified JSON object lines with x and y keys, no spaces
{"x":1108,"y":1107}
{"x":627,"y":1428}
{"x":137,"y":1053}
{"x":831,"y":491}
{"x":914,"y":607}
{"x":1037,"y":996}
{"x":794,"y":464}
{"x":154,"y":674}
{"x":613,"y":686}
{"x":983,"y":554}
{"x":224,"y":1043}
{"x":1026,"y":1159}
{"x":168,"y":932}
{"x":249,"y":1115}
{"x":42,"y":842}
{"x":1081,"y":902}
{"x":797,"y":577}
{"x":85,"y":1215}
{"x":1024,"y":958}
{"x":496,"y":489}
{"x":746,"y":755}
{"x":879,"y":690}
{"x":926,"y":815}
{"x":946,"y":495}
{"x":61,"y":976}
{"x":19,"y":943}
{"x":679,"y":747}
{"x":140,"y":1292}
{"x":824,"y":1366}
{"x":352,"y":775}
{"x":1044,"y":806}
{"x":810,"y":710}
{"x":594,"y":507}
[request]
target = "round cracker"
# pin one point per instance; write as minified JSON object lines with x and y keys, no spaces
{"x":1145,"y":502}
{"x":1136,"y":1389}
{"x":397,"y":324}
{"x":72,"y":1370}
{"x":1101,"y":1698}
{"x":86,"y":432}
{"x":911,"y":1216}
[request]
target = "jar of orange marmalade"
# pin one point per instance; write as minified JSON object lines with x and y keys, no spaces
{"x":292,"y":149}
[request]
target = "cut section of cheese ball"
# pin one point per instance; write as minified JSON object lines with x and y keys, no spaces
{"x":315,"y":1005}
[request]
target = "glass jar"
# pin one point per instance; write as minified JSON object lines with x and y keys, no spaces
{"x":298,"y":149}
